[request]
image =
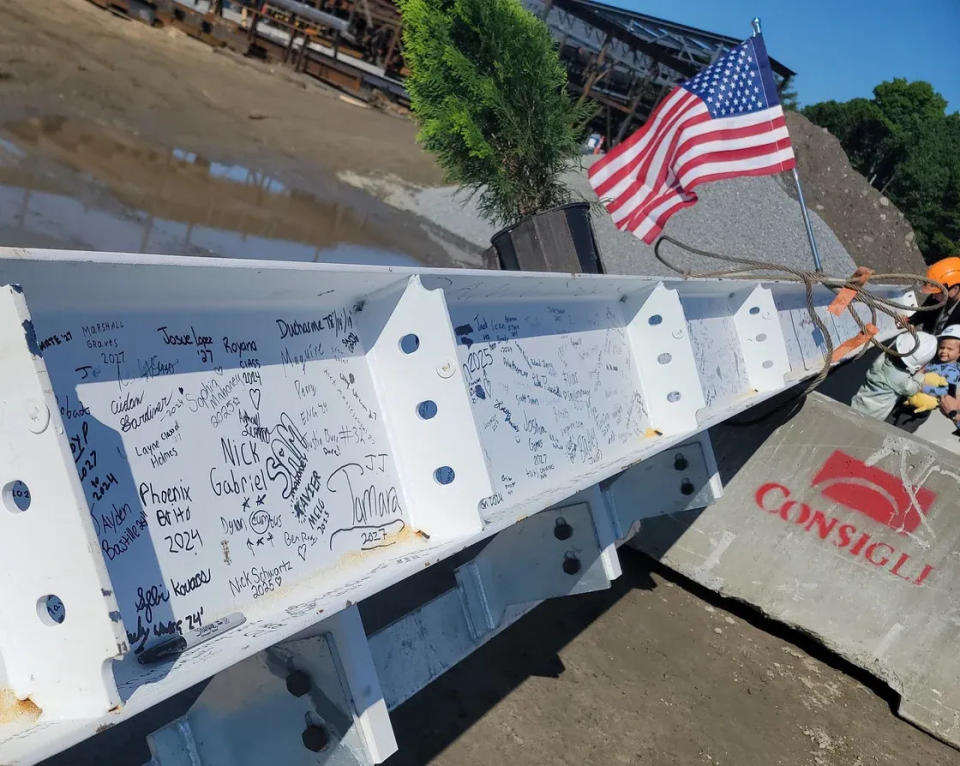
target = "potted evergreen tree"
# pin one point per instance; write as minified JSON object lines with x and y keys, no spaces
{"x":489,"y":92}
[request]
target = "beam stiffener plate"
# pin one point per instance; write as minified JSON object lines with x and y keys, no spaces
{"x":59,"y":622}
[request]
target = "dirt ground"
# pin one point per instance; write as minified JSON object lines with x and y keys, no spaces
{"x":68,"y":58}
{"x":656,"y":671}
{"x":653,"y":671}
{"x":149,"y":123}
{"x":871,"y":228}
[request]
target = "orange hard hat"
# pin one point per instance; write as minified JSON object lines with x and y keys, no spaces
{"x":946,"y":271}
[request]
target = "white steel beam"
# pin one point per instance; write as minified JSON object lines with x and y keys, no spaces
{"x":682,"y":478}
{"x":341,"y":669}
{"x":307,"y":700}
{"x":283,"y":440}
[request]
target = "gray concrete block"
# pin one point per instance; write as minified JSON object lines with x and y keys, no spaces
{"x":847,"y":529}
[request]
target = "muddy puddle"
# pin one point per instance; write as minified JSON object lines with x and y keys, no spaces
{"x":68,"y":184}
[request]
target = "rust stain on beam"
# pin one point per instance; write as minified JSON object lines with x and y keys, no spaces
{"x":17,"y":711}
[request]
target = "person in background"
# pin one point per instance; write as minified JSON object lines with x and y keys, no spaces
{"x":950,"y":406}
{"x":947,"y":272}
{"x":890,"y":378}
{"x":939,"y":376}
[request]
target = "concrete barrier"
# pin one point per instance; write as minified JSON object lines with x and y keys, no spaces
{"x":846,"y":528}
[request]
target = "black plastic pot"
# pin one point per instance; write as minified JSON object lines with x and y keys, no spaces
{"x":560,"y":239}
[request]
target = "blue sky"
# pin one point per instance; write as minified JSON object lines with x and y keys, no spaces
{"x":838,"y":49}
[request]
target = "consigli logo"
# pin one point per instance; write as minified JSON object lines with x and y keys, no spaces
{"x":879,"y":495}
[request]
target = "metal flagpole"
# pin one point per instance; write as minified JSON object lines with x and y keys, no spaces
{"x":806,"y":222}
{"x":803,"y":205}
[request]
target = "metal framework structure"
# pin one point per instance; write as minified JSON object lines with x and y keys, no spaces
{"x":627,"y":61}
{"x":245,"y":451}
{"x":621,"y":60}
{"x":352,"y":44}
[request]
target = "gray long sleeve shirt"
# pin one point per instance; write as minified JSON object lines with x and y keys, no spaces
{"x":884,"y":385}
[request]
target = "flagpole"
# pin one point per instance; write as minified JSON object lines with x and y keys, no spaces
{"x":803,"y":205}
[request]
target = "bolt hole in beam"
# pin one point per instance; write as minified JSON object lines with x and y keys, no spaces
{"x":16,"y":496}
{"x":50,"y":610}
{"x":754,"y":309}
{"x":444,"y":475}
{"x":562,"y":530}
{"x":673,"y":396}
{"x":427,"y":409}
{"x":655,"y":319}
{"x":767,"y":364}
{"x":680,"y":462}
{"x":409,"y":343}
{"x":571,"y":564}
{"x":665,"y":358}
{"x":761,"y":337}
{"x":686,"y":487}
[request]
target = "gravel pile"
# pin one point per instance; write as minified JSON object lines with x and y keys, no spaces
{"x":868,"y":224}
{"x":746,"y":217}
{"x":749,"y":217}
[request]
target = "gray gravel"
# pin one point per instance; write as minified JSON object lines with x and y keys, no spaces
{"x":750,"y":217}
{"x":746,"y":217}
{"x":455,"y":212}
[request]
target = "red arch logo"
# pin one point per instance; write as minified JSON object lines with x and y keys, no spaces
{"x":873,"y":492}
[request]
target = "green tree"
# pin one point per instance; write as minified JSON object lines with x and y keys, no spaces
{"x":908,"y":104}
{"x":868,"y":138}
{"x":489,"y":92}
{"x":788,"y":98}
{"x":909,"y":149}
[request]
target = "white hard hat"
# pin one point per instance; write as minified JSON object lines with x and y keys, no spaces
{"x":950,"y":331}
{"x":916,"y":352}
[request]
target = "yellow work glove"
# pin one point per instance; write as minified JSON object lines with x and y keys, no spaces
{"x":933,"y":380}
{"x":922,"y":402}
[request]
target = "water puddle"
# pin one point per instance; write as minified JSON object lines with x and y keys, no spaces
{"x":65,"y":184}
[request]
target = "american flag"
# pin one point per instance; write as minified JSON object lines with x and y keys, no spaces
{"x":724,"y":122}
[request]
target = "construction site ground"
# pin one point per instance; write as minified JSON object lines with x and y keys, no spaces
{"x":655,"y":671}
{"x":112,"y":115}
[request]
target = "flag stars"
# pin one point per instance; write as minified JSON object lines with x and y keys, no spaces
{"x":730,"y":85}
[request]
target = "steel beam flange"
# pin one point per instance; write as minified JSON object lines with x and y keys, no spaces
{"x":678,"y":479}
{"x":762,"y":344}
{"x":554,"y":553}
{"x":663,"y":359}
{"x":309,"y":700}
{"x":423,"y":398}
{"x":61,"y":624}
